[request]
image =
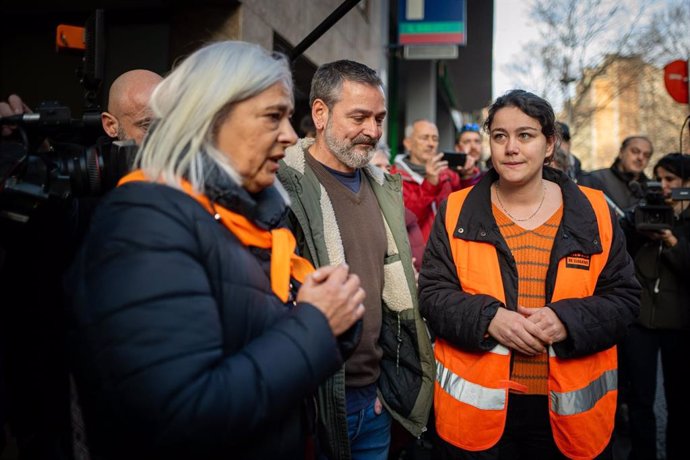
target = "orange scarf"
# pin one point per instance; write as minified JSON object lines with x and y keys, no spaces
{"x":284,"y":262}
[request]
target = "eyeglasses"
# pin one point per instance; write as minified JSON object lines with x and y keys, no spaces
{"x":470,"y":127}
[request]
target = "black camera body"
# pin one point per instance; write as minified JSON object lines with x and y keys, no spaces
{"x":652,"y":213}
{"x":57,"y":158}
{"x":54,"y":157}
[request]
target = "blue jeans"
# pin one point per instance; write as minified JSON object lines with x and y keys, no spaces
{"x":370,"y":434}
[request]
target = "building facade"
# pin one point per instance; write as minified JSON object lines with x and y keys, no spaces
{"x":627,"y":98}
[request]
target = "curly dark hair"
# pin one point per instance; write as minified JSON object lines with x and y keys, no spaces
{"x":676,"y":163}
{"x":531,"y":104}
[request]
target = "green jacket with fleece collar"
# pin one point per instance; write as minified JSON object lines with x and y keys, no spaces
{"x":407,"y":367}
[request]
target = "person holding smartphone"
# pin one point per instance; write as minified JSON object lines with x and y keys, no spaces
{"x":469,"y":141}
{"x":427,"y":180}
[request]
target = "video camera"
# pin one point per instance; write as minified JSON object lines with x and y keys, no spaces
{"x":56,"y":156}
{"x":59,"y":157}
{"x":652,"y":213}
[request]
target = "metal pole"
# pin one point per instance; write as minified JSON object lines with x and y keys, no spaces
{"x":687,"y":78}
{"x":327,"y":23}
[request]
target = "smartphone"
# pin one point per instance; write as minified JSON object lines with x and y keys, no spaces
{"x":455,"y":159}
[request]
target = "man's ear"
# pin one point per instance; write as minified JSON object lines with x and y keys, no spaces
{"x":110,"y":124}
{"x":407,"y":143}
{"x":550,"y":146}
{"x":319,"y":114}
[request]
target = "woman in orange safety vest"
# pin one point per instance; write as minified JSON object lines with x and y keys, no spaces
{"x":527,"y":286}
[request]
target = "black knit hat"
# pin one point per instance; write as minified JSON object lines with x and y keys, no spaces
{"x":676,"y":163}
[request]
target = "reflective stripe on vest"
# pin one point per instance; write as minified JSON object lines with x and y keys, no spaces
{"x":470,"y":393}
{"x":575,"y":402}
{"x":472,"y":388}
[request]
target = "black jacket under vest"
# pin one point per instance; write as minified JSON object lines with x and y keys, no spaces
{"x":593,"y":323}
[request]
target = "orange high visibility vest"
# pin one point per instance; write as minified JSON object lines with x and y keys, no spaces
{"x":471,"y":389}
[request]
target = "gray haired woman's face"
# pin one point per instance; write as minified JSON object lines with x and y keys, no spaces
{"x":256,"y":133}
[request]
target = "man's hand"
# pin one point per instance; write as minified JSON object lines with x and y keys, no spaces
{"x":378,"y":406}
{"x":547,"y":320}
{"x":434,"y":166}
{"x":13,"y":106}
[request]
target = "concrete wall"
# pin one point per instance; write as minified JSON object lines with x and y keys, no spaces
{"x":154,"y":35}
{"x":357,"y":36}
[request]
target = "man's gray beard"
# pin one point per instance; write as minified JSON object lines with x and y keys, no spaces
{"x":345,"y":151}
{"x":121,"y":135}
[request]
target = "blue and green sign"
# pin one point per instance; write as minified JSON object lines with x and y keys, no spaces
{"x":429,"y":22}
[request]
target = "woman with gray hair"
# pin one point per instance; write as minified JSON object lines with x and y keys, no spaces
{"x":196,"y":331}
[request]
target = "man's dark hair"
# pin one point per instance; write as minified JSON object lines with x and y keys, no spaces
{"x":531,"y":104}
{"x":328,"y":80}
{"x":629,"y":139}
{"x":564,"y":130}
{"x":306,"y":125}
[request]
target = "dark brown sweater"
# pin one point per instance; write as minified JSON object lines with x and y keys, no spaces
{"x":363,"y":235}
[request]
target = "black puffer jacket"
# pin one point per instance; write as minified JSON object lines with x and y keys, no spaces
{"x":180,"y":348}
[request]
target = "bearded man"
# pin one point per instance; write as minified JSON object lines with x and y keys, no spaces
{"x":346,"y":211}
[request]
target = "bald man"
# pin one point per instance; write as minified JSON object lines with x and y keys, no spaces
{"x":128,"y":115}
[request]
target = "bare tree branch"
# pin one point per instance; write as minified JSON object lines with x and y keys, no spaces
{"x":577,"y":39}
{"x":607,"y":48}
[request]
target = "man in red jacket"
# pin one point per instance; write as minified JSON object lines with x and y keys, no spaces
{"x":426,"y":178}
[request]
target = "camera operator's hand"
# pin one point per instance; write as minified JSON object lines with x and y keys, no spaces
{"x":666,"y":236}
{"x":13,"y":106}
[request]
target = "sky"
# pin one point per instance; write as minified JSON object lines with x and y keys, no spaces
{"x":512,"y":30}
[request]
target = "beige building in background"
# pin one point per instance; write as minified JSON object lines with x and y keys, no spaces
{"x":629,"y":97}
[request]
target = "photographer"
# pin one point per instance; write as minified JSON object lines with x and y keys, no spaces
{"x":36,"y":248}
{"x":662,"y":262}
{"x":32,"y":255}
